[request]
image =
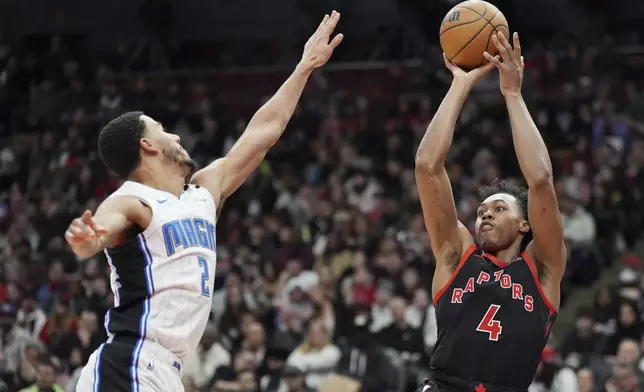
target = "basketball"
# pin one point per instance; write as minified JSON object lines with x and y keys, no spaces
{"x":466,"y":32}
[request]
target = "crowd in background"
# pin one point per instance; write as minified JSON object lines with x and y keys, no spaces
{"x":324,"y":266}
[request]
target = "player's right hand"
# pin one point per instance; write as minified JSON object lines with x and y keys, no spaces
{"x":84,"y":229}
{"x":470,"y":78}
{"x":319,"y":48}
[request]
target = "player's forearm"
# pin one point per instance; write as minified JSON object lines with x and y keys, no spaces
{"x":434,"y":147}
{"x":269,"y":123}
{"x":531,"y":151}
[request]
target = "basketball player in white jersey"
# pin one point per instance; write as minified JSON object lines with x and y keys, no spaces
{"x":158,"y":234}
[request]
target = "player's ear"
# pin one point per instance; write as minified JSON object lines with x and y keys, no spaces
{"x":524,"y":226}
{"x":147,"y":148}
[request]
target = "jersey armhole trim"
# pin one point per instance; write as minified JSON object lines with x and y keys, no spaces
{"x":535,"y":276}
{"x":466,"y":255}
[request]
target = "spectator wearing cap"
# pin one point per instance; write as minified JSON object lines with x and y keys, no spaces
{"x":46,"y":374}
{"x":13,"y":339}
{"x":275,"y":362}
{"x":316,"y":356}
{"x":299,"y":290}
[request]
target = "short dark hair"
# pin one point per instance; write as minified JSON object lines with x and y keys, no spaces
{"x":501,"y":186}
{"x":118,"y":143}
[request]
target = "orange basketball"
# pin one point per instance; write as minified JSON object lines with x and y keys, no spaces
{"x":466,"y":32}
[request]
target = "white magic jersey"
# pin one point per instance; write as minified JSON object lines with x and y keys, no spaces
{"x":162,"y":279}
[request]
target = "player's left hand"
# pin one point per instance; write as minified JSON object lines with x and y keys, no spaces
{"x":511,"y":68}
{"x":318,"y":49}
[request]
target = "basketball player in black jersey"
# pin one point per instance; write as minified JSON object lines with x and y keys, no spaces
{"x":496,"y":295}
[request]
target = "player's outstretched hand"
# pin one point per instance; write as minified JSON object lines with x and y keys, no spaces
{"x":83,"y":230}
{"x":470,"y":78}
{"x":319,"y":48}
{"x":511,"y":68}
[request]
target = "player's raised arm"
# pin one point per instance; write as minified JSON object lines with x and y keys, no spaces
{"x":87,"y":235}
{"x":544,"y":217}
{"x":448,"y":236}
{"x":227,"y":174}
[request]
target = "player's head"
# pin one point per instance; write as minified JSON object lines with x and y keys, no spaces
{"x":502,"y":216}
{"x":133,"y":138}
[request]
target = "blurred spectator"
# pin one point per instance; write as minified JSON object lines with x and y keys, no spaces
{"x":624,"y":379}
{"x":231,"y":378}
{"x":210,"y":356}
{"x":294,"y":381}
{"x":586,"y":380}
{"x":553,"y":375}
{"x":579,"y":234}
{"x":581,"y":344}
{"x":628,"y":327}
{"x":46,"y":374}
{"x":317,"y":357}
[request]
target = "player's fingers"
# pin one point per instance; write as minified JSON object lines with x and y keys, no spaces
{"x":320,"y":27}
{"x":503,"y":52}
{"x":494,"y":60}
{"x":100,"y":230}
{"x":87,"y":216}
{"x":331,"y":24}
{"x":517,"y":46}
{"x":336,"y":40}
{"x":489,"y":66}
{"x":448,"y":63}
{"x":323,"y":23}
{"x":69,"y":236}
{"x":77,"y":233}
{"x":508,"y":48}
{"x":506,"y":44}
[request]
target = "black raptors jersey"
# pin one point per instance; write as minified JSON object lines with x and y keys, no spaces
{"x":493,"y":322}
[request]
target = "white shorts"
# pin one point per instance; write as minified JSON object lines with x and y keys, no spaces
{"x":124,"y":367}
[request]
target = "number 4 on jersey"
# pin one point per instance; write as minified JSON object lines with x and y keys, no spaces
{"x":489,"y":325}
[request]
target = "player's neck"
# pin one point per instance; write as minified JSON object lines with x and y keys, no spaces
{"x":163,"y":180}
{"x":509,"y":254}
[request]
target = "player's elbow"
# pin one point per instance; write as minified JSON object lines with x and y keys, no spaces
{"x":267,"y":126}
{"x":540,"y":179}
{"x":427,"y":164}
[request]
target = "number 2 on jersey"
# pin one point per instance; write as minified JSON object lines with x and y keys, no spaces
{"x":205,"y":290}
{"x":489,"y":325}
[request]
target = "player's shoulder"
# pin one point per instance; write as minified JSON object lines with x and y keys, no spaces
{"x":120,"y":202}
{"x":195,"y":193}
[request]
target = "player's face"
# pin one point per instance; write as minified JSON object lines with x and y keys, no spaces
{"x":499,"y":222}
{"x":167,"y":143}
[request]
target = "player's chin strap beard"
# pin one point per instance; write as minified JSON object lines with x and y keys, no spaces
{"x":174,"y":158}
